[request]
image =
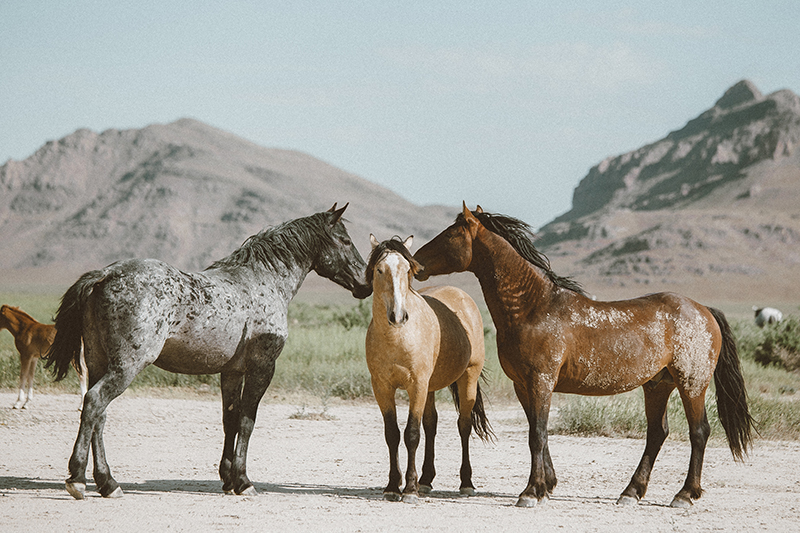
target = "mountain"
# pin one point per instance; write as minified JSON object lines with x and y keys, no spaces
{"x":185,"y":192}
{"x":713,"y":208}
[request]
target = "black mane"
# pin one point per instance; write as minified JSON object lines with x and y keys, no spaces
{"x":392,"y":245}
{"x":520,"y":236}
{"x":293,"y":242}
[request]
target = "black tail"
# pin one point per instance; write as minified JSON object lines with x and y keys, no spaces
{"x":66,"y":348}
{"x":480,"y":423}
{"x":731,"y":394}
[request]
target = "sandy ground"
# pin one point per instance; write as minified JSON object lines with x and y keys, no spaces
{"x":327,"y":475}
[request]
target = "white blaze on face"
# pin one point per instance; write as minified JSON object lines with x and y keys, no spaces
{"x":396,"y":272}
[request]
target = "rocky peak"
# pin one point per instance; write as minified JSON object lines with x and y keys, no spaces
{"x":709,"y":153}
{"x":742,"y":92}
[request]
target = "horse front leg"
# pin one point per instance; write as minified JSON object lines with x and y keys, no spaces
{"x":231,"y":388}
{"x":255,"y":385}
{"x":385,"y":397}
{"x":656,"y":398}
{"x":535,"y":399}
{"x":430,"y":419}
{"x":411,"y":437}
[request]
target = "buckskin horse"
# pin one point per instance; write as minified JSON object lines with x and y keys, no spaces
{"x":229,"y":319}
{"x":32,"y":339}
{"x":552,"y":338}
{"x":420,"y":343}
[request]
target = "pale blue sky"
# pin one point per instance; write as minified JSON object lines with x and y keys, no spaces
{"x":506,"y":104}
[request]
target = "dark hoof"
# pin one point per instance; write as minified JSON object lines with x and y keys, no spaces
{"x":110,"y":490}
{"x":116,"y":493}
{"x":627,"y":500}
{"x":425,"y":489}
{"x":392,"y":496}
{"x":77,"y":490}
{"x":250,"y":490}
{"x":467,"y":491}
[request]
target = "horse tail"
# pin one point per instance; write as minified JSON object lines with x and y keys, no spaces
{"x":67,"y":346}
{"x":480,"y":422}
{"x":731,"y":394}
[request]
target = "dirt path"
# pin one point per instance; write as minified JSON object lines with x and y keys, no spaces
{"x":327,"y":475}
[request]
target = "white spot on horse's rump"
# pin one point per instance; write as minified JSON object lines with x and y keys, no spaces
{"x":692,"y":353}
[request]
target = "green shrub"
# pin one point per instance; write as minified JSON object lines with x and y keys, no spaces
{"x":780,"y":345}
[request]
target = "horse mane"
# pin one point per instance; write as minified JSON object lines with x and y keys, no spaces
{"x":520,"y":236}
{"x":395,"y":244}
{"x":279,"y":246}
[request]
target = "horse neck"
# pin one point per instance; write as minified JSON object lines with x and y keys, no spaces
{"x":511,"y":285}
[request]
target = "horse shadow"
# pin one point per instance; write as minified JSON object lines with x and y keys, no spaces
{"x":12,"y":483}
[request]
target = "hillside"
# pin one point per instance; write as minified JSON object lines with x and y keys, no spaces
{"x":184,"y":192}
{"x":712,"y":209}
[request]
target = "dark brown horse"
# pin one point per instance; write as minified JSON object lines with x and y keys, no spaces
{"x":32,"y":339}
{"x":552,"y":338}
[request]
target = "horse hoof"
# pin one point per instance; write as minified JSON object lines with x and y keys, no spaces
{"x":680,"y":503}
{"x":116,"y":493}
{"x":527,"y":501}
{"x":249,"y":491}
{"x":467,"y":491}
{"x":391,"y":496}
{"x":77,"y":490}
{"x":410,"y":498}
{"x":425,"y":489}
{"x":627,"y":500}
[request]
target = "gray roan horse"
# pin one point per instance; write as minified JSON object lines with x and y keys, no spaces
{"x":230,"y":318}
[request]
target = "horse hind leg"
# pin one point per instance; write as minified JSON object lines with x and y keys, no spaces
{"x":699,"y":431}
{"x":656,"y":396}
{"x":466,"y":396}
{"x":100,"y":394}
{"x":430,"y":419}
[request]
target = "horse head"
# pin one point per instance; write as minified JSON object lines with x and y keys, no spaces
{"x":338,"y":259}
{"x":390,"y":271}
{"x":451,"y":250}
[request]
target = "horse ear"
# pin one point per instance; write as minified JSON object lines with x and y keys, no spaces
{"x":408,"y":242}
{"x":472,"y":222}
{"x":373,"y":241}
{"x":479,"y":209}
{"x":336,"y":214}
{"x":332,"y":209}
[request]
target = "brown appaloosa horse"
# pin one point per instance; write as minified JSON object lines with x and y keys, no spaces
{"x":552,"y":338}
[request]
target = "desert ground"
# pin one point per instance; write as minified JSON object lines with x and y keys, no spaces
{"x":323,"y":467}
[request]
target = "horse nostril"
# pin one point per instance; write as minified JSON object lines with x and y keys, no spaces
{"x":405,"y":317}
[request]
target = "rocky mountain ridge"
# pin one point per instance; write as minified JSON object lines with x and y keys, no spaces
{"x":713,"y":207}
{"x":184,"y":192}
